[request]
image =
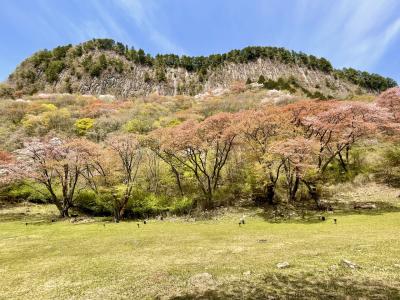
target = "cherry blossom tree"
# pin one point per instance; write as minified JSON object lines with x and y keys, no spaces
{"x":297,"y":157}
{"x":6,"y":163}
{"x":154,"y":142}
{"x":203,"y":149}
{"x":55,"y":164}
{"x":128,"y":152}
{"x":390,"y":99}
{"x":338,"y":125}
{"x":259,"y":129}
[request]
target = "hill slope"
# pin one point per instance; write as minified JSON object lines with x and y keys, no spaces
{"x":103,"y":66}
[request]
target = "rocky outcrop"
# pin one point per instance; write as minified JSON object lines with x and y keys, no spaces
{"x":135,"y":79}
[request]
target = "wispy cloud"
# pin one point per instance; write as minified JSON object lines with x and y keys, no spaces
{"x":87,"y":29}
{"x":106,"y":18}
{"x":144,"y":14}
{"x":359,"y":30}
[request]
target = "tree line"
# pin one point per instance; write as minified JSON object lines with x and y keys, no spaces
{"x":293,"y":148}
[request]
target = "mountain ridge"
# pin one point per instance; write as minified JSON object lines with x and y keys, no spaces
{"x":103,"y":66}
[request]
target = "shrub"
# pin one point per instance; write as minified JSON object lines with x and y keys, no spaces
{"x":95,"y":70}
{"x":88,"y":202}
{"x":26,"y":191}
{"x":182,"y":205}
{"x":261,"y":79}
{"x":389,"y":168}
{"x":138,"y":126}
{"x":53,"y":70}
{"x":83,"y":125}
{"x":6,"y":91}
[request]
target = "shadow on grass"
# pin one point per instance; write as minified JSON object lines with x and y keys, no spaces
{"x":300,"y":286}
{"x":31,"y":219}
{"x":311,"y":216}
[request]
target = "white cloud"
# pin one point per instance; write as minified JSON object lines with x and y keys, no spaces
{"x":110,"y":22}
{"x":360,"y":31}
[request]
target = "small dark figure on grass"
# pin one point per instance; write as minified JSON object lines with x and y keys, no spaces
{"x":241,"y":221}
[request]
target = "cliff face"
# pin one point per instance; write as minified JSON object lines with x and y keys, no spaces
{"x":124,"y":78}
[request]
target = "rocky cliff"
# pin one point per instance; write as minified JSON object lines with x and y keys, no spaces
{"x":113,"y":69}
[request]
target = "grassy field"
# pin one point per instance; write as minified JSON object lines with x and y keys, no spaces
{"x":163,"y":259}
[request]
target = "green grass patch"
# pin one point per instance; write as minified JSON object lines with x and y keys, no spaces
{"x":45,"y":260}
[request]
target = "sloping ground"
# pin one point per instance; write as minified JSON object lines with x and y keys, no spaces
{"x":214,"y":259}
{"x":382,"y":196}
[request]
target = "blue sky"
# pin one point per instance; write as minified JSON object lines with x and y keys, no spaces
{"x":364,"y":34}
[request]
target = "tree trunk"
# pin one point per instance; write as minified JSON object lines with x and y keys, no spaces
{"x":178,"y":180}
{"x":64,"y":212}
{"x":312,"y":190}
{"x":270,"y":194}
{"x":117,"y":215}
{"x":293,"y":191}
{"x":342,"y":162}
{"x":208,"y":201}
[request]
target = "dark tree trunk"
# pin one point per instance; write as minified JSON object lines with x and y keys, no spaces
{"x":270,"y":194}
{"x":342,"y":162}
{"x":178,"y":180}
{"x":64,"y":211}
{"x":208,"y":204}
{"x":117,"y":215}
{"x":312,"y":190}
{"x":293,"y":192}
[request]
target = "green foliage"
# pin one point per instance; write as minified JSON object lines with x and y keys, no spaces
{"x":68,"y":86}
{"x":27,"y":191}
{"x":160,"y":71}
{"x":181,"y":205}
{"x":95,"y":70}
{"x":48,"y":107}
{"x":144,"y":205}
{"x":58,"y":120}
{"x":315,"y":95}
{"x":83,"y":125}
{"x":280,"y":84}
{"x":103,"y":62}
{"x":78,"y":51}
{"x":88,"y":202}
{"x":87,"y":63}
{"x":138,"y":126}
{"x":373,"y":82}
{"x":118,"y":65}
{"x":389,"y":168}
{"x":147,"y":77}
{"x":53,"y":70}
{"x":41,"y":58}
{"x":60,"y":52}
{"x":356,"y":165}
{"x":28,"y":75}
{"x":6,"y":91}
